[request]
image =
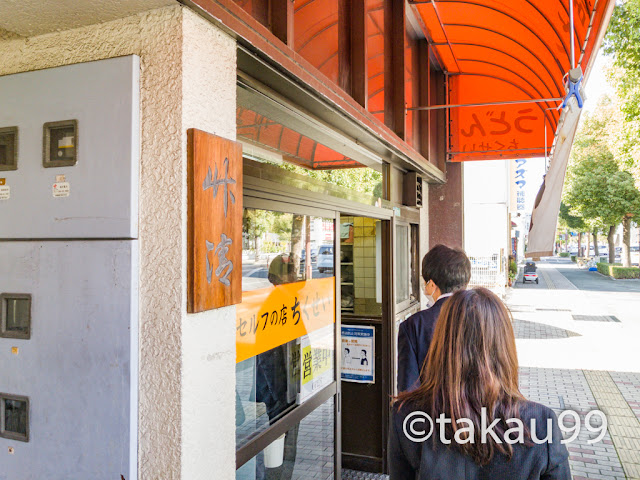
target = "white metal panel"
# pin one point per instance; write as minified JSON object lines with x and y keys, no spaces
{"x":79,"y":369}
{"x":103,"y":96}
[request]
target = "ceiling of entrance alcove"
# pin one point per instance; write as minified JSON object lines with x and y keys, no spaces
{"x":36,"y":17}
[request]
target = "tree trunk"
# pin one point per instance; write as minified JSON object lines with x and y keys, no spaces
{"x":297,"y":236}
{"x":580,"y":244}
{"x":256,"y":247}
{"x":612,"y":246}
{"x":626,"y":242}
{"x":588,"y":254}
{"x":596,"y":252}
{"x":566,"y":242}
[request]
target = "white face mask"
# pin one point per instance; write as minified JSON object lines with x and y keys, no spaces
{"x":430,"y":300}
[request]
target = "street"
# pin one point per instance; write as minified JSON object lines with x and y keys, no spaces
{"x":577,"y":336}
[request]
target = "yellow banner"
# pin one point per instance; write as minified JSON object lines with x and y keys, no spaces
{"x":315,"y":362}
{"x":272,"y":316}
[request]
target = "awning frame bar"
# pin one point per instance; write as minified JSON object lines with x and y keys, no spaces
{"x":485,"y":104}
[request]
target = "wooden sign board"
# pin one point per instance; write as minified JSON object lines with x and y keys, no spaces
{"x":214,"y":257}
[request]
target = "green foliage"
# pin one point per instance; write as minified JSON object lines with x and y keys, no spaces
{"x":563,"y":254}
{"x":513,"y":269}
{"x":625,"y":273}
{"x":603,"y":268}
{"x":566,"y":221}
{"x":618,"y":272}
{"x":623,"y":43}
{"x":597,"y":192}
{"x":573,"y":258}
{"x":363,"y":180}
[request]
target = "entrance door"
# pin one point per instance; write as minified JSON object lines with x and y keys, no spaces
{"x":286,"y":331}
{"x":367,"y":373}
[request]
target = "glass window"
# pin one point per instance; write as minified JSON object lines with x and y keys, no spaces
{"x":360,"y":266}
{"x":285,"y":325}
{"x":15,"y":310}
{"x":8,"y":148}
{"x":305,"y":452}
{"x":14,"y":417}
{"x":402,"y":263}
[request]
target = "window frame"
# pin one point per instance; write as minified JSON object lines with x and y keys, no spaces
{"x":13,"y":435}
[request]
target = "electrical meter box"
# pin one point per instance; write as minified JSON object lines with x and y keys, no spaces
{"x":69,"y":155}
{"x":70,"y":173}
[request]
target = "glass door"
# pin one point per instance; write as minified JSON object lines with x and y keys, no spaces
{"x":285,"y":347}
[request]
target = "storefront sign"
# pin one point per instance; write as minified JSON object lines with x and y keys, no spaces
{"x":272,"y":316}
{"x":316,"y":356}
{"x":520,"y":182}
{"x":214,"y":266}
{"x":358,"y":354}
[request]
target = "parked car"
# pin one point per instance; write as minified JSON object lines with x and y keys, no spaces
{"x":325,"y":258}
{"x":314,"y":254}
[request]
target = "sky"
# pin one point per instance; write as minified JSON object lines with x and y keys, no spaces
{"x":596,"y":86}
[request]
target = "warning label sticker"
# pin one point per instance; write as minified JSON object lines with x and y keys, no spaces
{"x":61,"y":189}
{"x":5,"y":192}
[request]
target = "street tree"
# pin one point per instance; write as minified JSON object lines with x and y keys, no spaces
{"x":623,"y":44}
{"x":596,"y":189}
{"x":570,"y":223}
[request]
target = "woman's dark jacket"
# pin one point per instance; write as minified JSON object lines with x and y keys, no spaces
{"x":429,"y":461}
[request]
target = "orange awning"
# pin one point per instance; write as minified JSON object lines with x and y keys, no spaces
{"x":503,"y":52}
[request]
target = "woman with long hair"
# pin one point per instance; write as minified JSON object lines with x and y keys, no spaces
{"x":481,"y":427}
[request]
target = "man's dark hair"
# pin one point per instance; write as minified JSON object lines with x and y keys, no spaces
{"x":449,"y":268}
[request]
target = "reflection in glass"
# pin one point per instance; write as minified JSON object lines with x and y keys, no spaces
{"x":8,"y":147}
{"x":17,"y":315}
{"x":276,"y":246}
{"x":402,"y":263}
{"x":15,"y":416}
{"x":279,"y":249}
{"x":305,"y":453}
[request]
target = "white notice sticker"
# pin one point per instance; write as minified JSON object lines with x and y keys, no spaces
{"x":5,"y":192}
{"x":61,"y":189}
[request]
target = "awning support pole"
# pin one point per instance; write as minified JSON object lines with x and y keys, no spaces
{"x":511,"y":102}
{"x":571,"y":32}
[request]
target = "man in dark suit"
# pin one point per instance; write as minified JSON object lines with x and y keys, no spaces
{"x":444,"y":270}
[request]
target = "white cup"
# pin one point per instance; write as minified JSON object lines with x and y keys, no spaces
{"x":274,"y":453}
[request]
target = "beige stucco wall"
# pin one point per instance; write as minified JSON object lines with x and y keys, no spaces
{"x":187,"y":367}
{"x":208,"y":338}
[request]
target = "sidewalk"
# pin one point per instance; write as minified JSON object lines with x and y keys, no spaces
{"x":577,"y":335}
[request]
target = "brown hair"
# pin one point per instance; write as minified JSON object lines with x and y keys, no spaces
{"x":471,"y":363}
